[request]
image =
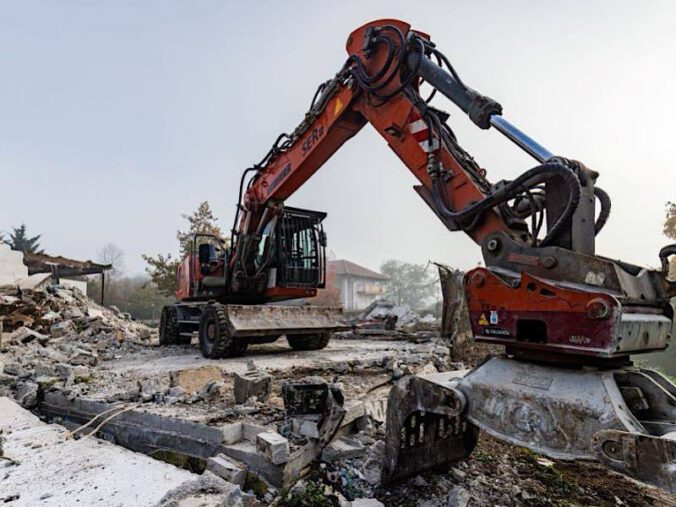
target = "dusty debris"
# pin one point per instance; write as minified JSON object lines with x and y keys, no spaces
{"x":383,"y":314}
{"x":342,"y":448}
{"x":193,"y":380}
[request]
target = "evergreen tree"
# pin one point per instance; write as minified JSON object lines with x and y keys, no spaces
{"x":20,"y":240}
{"x":164,"y":268}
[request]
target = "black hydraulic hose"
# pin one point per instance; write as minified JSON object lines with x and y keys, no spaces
{"x":530,"y":178}
{"x":604,"y":200}
{"x":239,"y":200}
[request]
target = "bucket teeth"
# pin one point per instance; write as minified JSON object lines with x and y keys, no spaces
{"x":424,"y":428}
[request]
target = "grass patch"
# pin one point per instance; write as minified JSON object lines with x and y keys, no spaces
{"x":312,"y":496}
{"x":548,"y":475}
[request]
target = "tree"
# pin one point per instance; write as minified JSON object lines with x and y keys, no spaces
{"x":110,"y":253}
{"x":410,"y":284}
{"x":20,"y":240}
{"x":202,"y":220}
{"x":136,"y":295}
{"x":163,"y":269}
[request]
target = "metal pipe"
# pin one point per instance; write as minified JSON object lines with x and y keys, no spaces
{"x":522,"y":140}
{"x":483,"y":111}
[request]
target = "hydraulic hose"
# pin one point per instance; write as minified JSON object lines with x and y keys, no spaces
{"x":529,"y":179}
{"x":604,"y":200}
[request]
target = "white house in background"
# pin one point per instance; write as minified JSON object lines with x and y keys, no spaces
{"x":359,"y":286}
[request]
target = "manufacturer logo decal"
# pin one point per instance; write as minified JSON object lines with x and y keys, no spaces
{"x":312,"y":139}
{"x":278,"y":179}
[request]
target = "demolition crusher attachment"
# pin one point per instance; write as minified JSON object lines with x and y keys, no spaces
{"x":565,"y":387}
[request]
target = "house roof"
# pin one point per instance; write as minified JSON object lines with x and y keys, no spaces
{"x":344,"y":267}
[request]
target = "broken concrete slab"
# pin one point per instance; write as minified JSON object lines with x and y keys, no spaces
{"x":34,"y":281}
{"x":341,"y":448}
{"x":43,"y":467}
{"x":193,"y":380}
{"x":227,"y":468}
{"x":25,"y":335}
{"x":273,"y":446}
{"x":135,"y":429}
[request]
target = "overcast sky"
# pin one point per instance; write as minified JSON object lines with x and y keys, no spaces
{"x":118,"y":116}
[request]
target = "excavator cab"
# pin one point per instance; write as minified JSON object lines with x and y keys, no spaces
{"x":300,"y":246}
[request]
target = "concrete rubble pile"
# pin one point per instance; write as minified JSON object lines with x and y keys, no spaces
{"x":383,"y":314}
{"x":54,"y":336}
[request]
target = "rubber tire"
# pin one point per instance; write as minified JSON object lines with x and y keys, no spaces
{"x":309,"y":341}
{"x":169,"y":326}
{"x":221,"y":344}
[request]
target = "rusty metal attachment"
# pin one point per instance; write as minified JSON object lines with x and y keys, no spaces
{"x":623,"y":417}
{"x":425,"y":426}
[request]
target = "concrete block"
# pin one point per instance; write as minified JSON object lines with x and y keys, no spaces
{"x":27,"y":394}
{"x":227,"y":468}
{"x":193,"y":380}
{"x":251,"y":431}
{"x":342,"y":448}
{"x":273,"y":446}
{"x":306,"y":427}
{"x":232,"y":433}
{"x":252,"y":383}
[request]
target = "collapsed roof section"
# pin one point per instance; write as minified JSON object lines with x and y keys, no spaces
{"x":62,"y":266}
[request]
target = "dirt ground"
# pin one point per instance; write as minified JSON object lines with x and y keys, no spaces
{"x":98,"y":354}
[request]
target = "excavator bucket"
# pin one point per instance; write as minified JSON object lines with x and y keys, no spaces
{"x":426,"y":428}
{"x":276,"y":320}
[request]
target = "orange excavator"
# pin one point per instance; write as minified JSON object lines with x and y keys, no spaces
{"x":569,"y":319}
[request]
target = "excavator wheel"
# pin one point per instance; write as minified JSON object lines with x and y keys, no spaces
{"x":309,"y":341}
{"x":215,"y":339}
{"x":169,"y":326}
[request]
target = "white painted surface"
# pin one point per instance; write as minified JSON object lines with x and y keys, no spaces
{"x":12,"y":267}
{"x":53,"y":471}
{"x":34,"y":281}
